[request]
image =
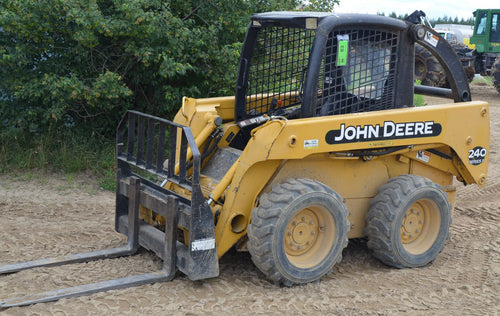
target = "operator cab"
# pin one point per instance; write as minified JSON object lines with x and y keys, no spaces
{"x":307,"y":64}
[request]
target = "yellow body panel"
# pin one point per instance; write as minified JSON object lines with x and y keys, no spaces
{"x":437,"y":142}
{"x":467,"y":42}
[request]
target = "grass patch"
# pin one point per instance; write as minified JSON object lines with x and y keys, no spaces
{"x":56,"y":151}
{"x":418,"y":99}
{"x":482,"y":81}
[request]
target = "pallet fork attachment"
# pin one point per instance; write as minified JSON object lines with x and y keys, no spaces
{"x":166,"y":274}
{"x":197,"y":257}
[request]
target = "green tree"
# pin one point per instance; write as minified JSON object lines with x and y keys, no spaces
{"x":76,"y":63}
{"x":440,"y":20}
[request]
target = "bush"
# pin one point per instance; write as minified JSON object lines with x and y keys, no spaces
{"x":84,"y":63}
{"x":69,"y":69}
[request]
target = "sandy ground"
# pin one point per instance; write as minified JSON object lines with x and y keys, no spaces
{"x":49,"y":215}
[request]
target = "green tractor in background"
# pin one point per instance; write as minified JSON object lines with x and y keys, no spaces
{"x":486,"y":37}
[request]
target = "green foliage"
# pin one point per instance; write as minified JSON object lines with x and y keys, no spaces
{"x":482,"y":81}
{"x":59,"y":151}
{"x":321,"y":5}
{"x":440,"y":20}
{"x":418,"y":99}
{"x":69,"y":69}
{"x":84,"y":63}
{"x":449,"y":20}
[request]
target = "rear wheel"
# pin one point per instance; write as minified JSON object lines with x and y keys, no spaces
{"x":428,"y":69}
{"x":496,"y":73}
{"x":408,"y":222}
{"x":464,"y":53}
{"x":298,"y":231}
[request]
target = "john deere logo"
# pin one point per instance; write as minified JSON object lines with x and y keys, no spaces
{"x":388,"y":130}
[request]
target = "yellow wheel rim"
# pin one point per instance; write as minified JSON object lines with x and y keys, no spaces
{"x":420,"y":226}
{"x":309,"y":237}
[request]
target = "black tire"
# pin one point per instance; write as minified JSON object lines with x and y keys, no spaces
{"x":408,"y":222}
{"x":428,"y":69}
{"x":464,"y":52}
{"x":496,"y":73}
{"x":298,"y":231}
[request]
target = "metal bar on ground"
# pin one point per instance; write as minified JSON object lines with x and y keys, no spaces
{"x":75,"y":258}
{"x":86,"y":289}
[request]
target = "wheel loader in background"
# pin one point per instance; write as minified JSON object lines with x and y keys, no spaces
{"x":320,"y":144}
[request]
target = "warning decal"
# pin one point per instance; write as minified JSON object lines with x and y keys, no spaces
{"x":423,"y":155}
{"x":431,"y":39}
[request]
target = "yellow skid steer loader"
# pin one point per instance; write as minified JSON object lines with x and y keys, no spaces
{"x":320,"y":143}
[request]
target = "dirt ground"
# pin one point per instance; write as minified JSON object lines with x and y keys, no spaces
{"x":43,"y":216}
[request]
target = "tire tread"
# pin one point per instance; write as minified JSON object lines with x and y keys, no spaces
{"x":266,"y":215}
{"x":381,"y":216}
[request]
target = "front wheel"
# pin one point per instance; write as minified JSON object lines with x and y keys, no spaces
{"x":408,"y":222}
{"x":298,"y":231}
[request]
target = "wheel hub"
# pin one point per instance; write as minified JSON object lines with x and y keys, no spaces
{"x":412,"y":225}
{"x":301,"y":233}
{"x":420,"y":70}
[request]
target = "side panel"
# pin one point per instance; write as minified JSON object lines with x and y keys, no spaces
{"x":355,"y":154}
{"x":462,"y":126}
{"x":355,"y":180}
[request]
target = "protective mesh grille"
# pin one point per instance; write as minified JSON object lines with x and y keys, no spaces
{"x":364,"y":81}
{"x":277,"y":68}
